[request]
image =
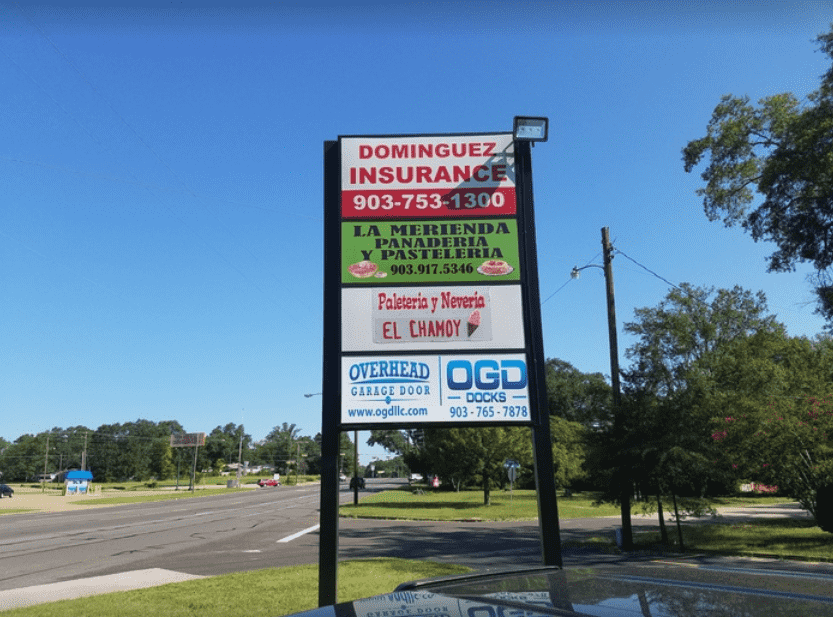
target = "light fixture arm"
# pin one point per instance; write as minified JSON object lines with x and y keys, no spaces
{"x":574,"y":273}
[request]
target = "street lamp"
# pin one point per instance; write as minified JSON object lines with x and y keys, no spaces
{"x":618,"y":419}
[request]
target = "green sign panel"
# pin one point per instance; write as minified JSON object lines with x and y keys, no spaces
{"x":429,"y":251}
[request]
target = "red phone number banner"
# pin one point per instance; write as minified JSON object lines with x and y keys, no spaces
{"x":428,"y":176}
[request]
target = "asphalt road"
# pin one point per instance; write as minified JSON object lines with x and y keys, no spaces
{"x":209,"y":535}
{"x":269,"y":527}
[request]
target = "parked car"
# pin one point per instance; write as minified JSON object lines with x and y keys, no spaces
{"x":6,"y":491}
{"x":356,"y":481}
{"x":611,"y":590}
{"x":268,"y":482}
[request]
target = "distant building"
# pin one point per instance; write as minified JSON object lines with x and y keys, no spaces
{"x":78,"y":482}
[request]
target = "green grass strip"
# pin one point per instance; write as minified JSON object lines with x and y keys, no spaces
{"x":185,"y":494}
{"x":520,"y":505}
{"x":271,"y":592}
{"x":782,"y":538}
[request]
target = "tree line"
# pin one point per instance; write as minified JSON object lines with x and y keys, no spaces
{"x":142,"y":451}
{"x":716,"y":394}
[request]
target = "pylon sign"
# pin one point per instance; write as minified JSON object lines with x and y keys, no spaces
{"x":430,"y":271}
{"x":431,"y":305}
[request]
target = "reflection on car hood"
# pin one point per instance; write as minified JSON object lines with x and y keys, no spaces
{"x":652,"y":589}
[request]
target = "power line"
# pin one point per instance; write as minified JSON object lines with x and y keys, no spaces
{"x":663,"y":279}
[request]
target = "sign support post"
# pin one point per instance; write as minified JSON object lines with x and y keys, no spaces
{"x":542,"y":442}
{"x":331,"y":385}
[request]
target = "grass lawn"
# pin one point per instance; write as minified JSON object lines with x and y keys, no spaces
{"x":272,"y":592}
{"x":161,"y":496}
{"x":468,"y":506}
{"x":784,"y":538}
{"x":751,"y":500}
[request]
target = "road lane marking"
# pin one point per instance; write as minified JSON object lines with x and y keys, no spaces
{"x":299,"y":534}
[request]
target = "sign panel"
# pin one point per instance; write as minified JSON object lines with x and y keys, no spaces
{"x":416,"y":389}
{"x":427,"y":176}
{"x":433,"y":251}
{"x":187,"y":440}
{"x":447,"y":315}
{"x":431,"y":318}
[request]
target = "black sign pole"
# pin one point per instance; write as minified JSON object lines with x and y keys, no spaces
{"x":542,"y":441}
{"x":331,"y":383}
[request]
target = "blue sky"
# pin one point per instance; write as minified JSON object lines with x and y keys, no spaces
{"x":161,"y":181}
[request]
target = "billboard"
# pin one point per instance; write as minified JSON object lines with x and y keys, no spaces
{"x":187,"y":440}
{"x":430,"y":262}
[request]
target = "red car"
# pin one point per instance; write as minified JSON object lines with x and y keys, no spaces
{"x":268,"y":482}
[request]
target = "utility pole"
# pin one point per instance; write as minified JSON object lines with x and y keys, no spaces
{"x":194,"y":470}
{"x":239,"y":459}
{"x":618,"y":419}
{"x":240,"y":452}
{"x":84,"y":454}
{"x":45,"y":460}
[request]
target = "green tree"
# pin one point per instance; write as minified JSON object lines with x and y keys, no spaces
{"x":779,"y":400}
{"x":396,"y":442}
{"x":463,"y":455}
{"x":782,"y":150}
{"x":568,"y":450}
{"x":580,"y":397}
{"x":23,"y":460}
{"x":224,"y":442}
{"x":346,"y":455}
{"x":670,"y":398}
{"x":137,"y":450}
{"x":279,"y":446}
{"x":688,"y":324}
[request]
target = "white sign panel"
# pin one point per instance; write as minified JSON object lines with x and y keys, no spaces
{"x":432,"y":318}
{"x":428,"y":176}
{"x":434,"y":388}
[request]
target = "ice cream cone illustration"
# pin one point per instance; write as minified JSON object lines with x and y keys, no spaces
{"x":473,"y":323}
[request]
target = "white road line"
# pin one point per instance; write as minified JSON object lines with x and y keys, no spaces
{"x":299,"y":534}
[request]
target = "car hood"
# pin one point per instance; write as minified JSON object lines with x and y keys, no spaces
{"x":654,"y":589}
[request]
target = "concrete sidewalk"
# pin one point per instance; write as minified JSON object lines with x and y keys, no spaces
{"x":69,"y":590}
